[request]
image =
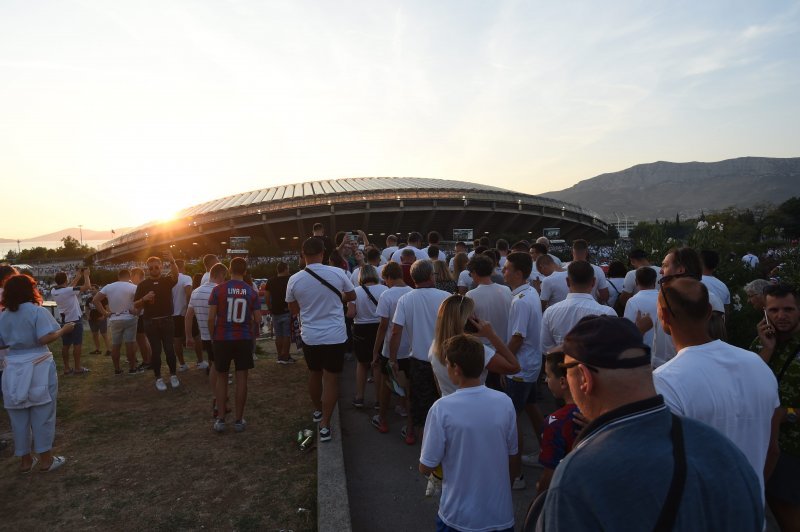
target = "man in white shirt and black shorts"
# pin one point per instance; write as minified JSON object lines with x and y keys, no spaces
{"x":316,"y":294}
{"x":415,"y":316}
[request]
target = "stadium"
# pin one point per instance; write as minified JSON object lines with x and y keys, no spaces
{"x":284,"y":215}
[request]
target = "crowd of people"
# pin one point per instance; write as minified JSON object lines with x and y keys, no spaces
{"x":655,"y":410}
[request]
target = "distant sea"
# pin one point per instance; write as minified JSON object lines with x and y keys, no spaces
{"x":5,"y":247}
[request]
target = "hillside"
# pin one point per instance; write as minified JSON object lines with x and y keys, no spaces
{"x":75,"y":232}
{"x":662,"y":189}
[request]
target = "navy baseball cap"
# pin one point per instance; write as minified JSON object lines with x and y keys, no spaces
{"x":600,"y":340}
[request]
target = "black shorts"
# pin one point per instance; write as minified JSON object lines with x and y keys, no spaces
{"x":784,"y":484}
{"x":328,"y":357}
{"x":208,"y":347}
{"x":403,"y":365}
{"x":423,"y":390}
{"x":100,"y":326}
{"x":178,"y":323}
{"x":140,"y":325}
{"x":238,"y":351}
{"x":195,"y":327}
{"x":364,"y":341}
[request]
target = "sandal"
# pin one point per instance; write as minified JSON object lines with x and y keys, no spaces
{"x":58,"y":461}
{"x":33,"y":465}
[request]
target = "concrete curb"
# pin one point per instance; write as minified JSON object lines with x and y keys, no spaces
{"x":333,"y":505}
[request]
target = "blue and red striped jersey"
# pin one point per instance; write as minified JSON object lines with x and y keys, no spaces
{"x":235,"y":301}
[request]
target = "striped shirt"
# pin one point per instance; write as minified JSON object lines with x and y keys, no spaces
{"x":199,"y":303}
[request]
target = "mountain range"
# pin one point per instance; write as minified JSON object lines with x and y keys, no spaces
{"x":663,"y":189}
{"x":74,"y":232}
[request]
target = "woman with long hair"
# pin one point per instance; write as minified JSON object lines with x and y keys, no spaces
{"x":460,"y":273}
{"x":30,"y":381}
{"x":441,"y":275}
{"x":456,"y":317}
{"x":365,"y":326}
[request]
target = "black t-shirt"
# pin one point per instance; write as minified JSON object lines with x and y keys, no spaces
{"x":162,"y":306}
{"x":277,"y":294}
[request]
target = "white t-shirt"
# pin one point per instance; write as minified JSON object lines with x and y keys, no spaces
{"x":199,"y":303}
{"x":386,"y":254}
{"x":442,"y":256}
{"x":630,"y":280}
{"x":718,"y":288}
{"x":471,"y":433}
{"x":179,"y":295}
{"x":750,"y":260}
{"x":600,"y":280}
{"x":559,"y":319}
{"x":416,"y":312}
{"x":119,"y":297}
{"x":67,"y":300}
{"x":464,"y":279}
{"x":646,"y":302}
{"x":387,"y":304}
{"x":421,"y":255}
{"x":554,"y":288}
{"x":366,"y":310}
{"x":525,"y":320}
{"x":493,"y":303}
{"x":446,"y":386}
{"x":731,"y":389}
{"x":321,"y":312}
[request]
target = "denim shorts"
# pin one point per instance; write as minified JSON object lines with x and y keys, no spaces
{"x":75,"y":337}
{"x":281,"y":324}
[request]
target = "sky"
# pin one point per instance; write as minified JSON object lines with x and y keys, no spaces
{"x":117,"y":113}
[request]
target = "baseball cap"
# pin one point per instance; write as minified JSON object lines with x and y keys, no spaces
{"x":600,"y":340}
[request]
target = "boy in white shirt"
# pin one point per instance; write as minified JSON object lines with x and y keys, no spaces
{"x":471,"y":434}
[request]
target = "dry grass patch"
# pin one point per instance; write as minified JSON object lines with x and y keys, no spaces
{"x":138,"y":459}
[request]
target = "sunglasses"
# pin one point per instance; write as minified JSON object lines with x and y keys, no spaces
{"x":567,"y":365}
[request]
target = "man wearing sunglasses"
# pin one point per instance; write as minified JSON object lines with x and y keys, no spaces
{"x":636,"y":466}
{"x":708,"y":380}
{"x":154,"y":295}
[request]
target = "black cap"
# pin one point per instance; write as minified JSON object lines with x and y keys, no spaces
{"x":599,"y":340}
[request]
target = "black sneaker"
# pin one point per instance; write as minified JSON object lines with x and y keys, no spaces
{"x":324,"y":434}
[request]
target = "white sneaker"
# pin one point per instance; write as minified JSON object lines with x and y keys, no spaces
{"x":174,"y":382}
{"x":531,"y":460}
{"x":183,"y":367}
{"x":202,"y":365}
{"x":160,"y":385}
{"x":519,"y":483}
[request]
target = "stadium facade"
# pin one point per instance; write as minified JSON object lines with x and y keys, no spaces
{"x":284,"y":215}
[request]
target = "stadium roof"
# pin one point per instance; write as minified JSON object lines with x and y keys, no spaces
{"x":348,"y":186}
{"x":283,"y":214}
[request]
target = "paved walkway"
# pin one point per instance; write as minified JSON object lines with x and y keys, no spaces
{"x":385,"y":489}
